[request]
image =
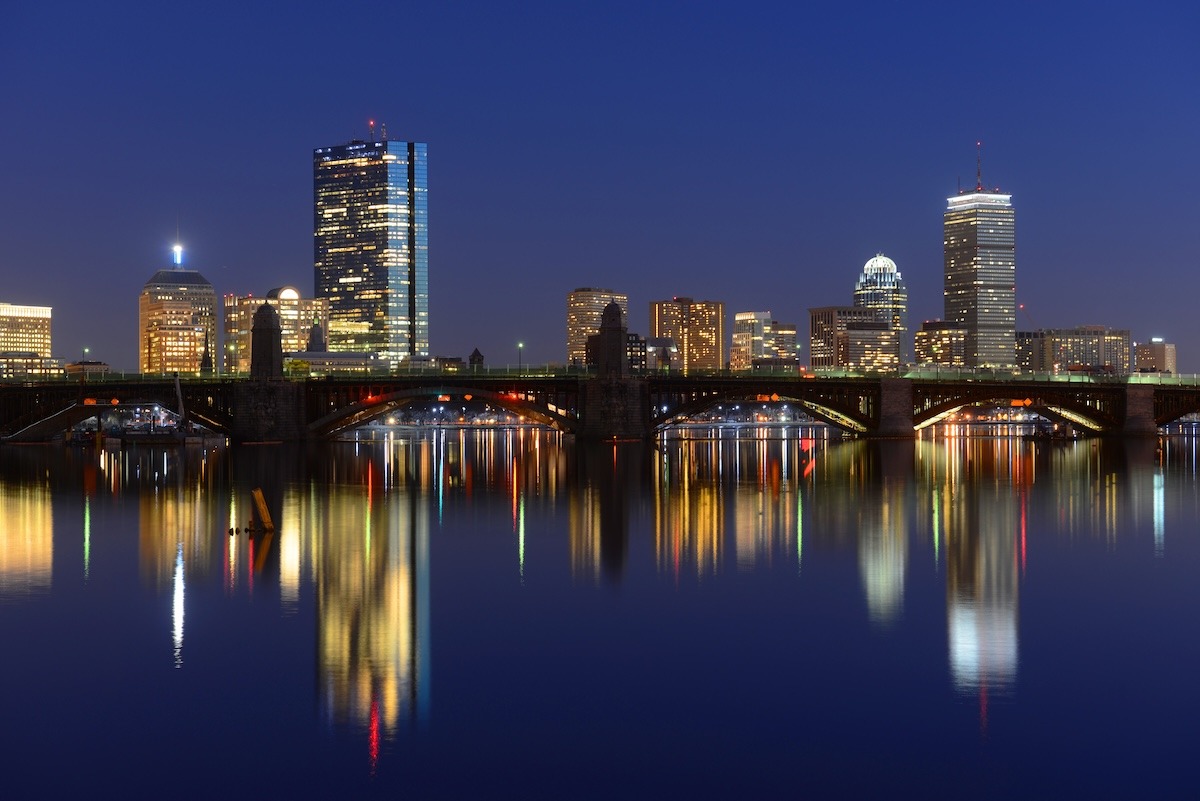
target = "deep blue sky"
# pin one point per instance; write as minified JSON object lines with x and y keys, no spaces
{"x":757,"y":154}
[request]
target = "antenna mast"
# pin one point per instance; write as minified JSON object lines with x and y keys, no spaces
{"x":978,"y":166}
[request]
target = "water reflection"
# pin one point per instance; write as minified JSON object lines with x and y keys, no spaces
{"x":962,"y":518}
{"x":26,"y":538}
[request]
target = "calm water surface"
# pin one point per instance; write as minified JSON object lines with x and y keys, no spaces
{"x":508,"y":614}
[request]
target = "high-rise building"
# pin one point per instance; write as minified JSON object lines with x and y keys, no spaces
{"x":698,"y":328}
{"x":979,"y":249}
{"x":851,"y":337}
{"x":25,"y":329}
{"x":749,"y":339}
{"x":297,"y":316}
{"x":940,"y":343}
{"x":881,"y":287}
{"x":177,"y":322}
{"x":1156,"y":356}
{"x":1093,"y":348}
{"x":585,"y":306}
{"x":781,"y":340}
{"x":371,"y":246}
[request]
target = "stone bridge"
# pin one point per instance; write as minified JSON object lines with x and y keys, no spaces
{"x":598,"y":408}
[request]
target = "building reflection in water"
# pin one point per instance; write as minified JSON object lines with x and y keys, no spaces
{"x":26,"y":538}
{"x":366,"y":525}
{"x":979,"y":490}
{"x":881,"y":520}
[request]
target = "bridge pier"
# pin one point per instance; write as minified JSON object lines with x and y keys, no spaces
{"x":269,"y":411}
{"x":895,"y":410}
{"x":1139,"y":411}
{"x":614,"y":407}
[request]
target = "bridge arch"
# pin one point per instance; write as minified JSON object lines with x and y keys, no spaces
{"x":1096,"y":412}
{"x":372,"y":407}
{"x":853,"y":421}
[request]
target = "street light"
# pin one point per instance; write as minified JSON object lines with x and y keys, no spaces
{"x":520,"y":346}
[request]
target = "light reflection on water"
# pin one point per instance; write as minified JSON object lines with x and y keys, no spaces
{"x":366,"y":531}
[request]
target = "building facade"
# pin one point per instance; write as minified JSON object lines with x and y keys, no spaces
{"x":1155,"y":356}
{"x":940,"y":343}
{"x":177,"y":323}
{"x":979,"y":249}
{"x":297,"y":316}
{"x":881,"y":287}
{"x":781,"y":341}
{"x":371,"y":247}
{"x":25,"y":329}
{"x":1089,"y":348}
{"x":850,"y":338}
{"x":585,"y":306}
{"x":750,"y":332}
{"x":698,"y":328}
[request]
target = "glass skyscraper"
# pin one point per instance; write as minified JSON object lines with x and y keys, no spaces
{"x":980,"y":274}
{"x":371,"y":246}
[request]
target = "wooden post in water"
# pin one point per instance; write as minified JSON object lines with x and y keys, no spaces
{"x":264,"y":514}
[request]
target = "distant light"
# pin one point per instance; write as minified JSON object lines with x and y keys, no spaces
{"x":178,"y":257}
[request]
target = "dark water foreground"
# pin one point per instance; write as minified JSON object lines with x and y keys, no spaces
{"x":741,"y":613}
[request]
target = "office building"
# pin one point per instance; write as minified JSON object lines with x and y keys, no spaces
{"x":25,"y":329}
{"x":698,"y":328}
{"x":749,"y":339}
{"x":851,"y":338}
{"x":1086,"y":348}
{"x":177,"y":322}
{"x":980,"y":272}
{"x":940,"y":343}
{"x":881,"y":287}
{"x":780,"y":341}
{"x":585,"y":306}
{"x":371,"y":247}
{"x":297,"y":316}
{"x":1156,"y":356}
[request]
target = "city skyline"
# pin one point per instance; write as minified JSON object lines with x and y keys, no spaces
{"x":594,"y":167}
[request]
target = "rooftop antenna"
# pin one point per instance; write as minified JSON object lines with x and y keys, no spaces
{"x":371,"y":124}
{"x":383,"y":125}
{"x":978,"y":166}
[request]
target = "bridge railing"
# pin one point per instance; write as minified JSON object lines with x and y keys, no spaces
{"x":561,"y":371}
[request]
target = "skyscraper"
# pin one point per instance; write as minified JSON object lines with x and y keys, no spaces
{"x":371,"y":246}
{"x":698,"y":328}
{"x":881,"y":287}
{"x":585,"y":306}
{"x":979,"y":247}
{"x":177,"y":322}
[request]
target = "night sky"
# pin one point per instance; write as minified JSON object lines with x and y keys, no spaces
{"x":756,"y":154}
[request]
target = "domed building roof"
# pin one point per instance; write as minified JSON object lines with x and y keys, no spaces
{"x":879,"y":264}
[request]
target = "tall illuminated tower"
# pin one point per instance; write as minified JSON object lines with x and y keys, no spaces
{"x":371,"y":246}
{"x":881,"y":287}
{"x":698,"y":328}
{"x":979,"y":244}
{"x":177,"y":321}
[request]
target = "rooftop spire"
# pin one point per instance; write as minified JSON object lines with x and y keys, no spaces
{"x":978,"y":166}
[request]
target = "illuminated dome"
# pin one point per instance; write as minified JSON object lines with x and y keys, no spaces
{"x":879,"y":264}
{"x":284,"y":293}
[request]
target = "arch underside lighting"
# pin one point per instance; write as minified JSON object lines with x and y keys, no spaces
{"x":373,"y":408}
